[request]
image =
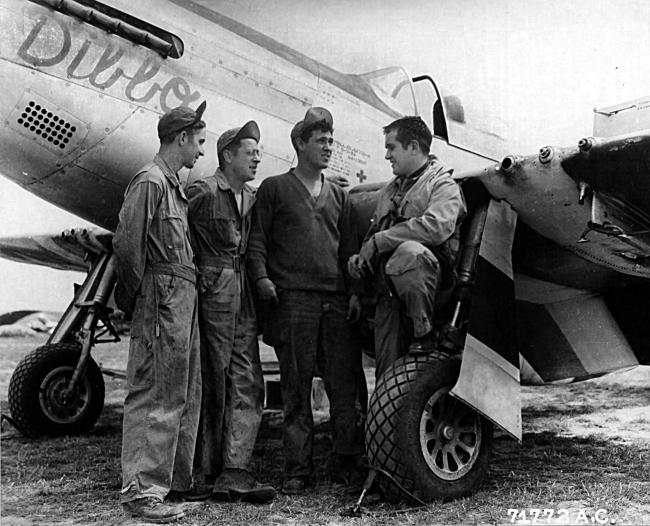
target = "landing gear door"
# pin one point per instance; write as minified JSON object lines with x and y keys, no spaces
{"x":489,"y":374}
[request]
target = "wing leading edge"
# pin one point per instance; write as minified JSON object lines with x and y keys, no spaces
{"x":64,"y":251}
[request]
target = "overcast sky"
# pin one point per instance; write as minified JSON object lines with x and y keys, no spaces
{"x":533,"y":71}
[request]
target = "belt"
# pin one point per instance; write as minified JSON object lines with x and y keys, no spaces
{"x":174,"y":269}
{"x":223,"y":260}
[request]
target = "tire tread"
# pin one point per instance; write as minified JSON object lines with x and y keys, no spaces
{"x":24,"y":384}
{"x":385,"y":404}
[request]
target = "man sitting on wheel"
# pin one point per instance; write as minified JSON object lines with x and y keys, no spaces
{"x":412,"y":243}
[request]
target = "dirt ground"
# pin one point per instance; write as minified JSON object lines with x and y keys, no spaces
{"x":585,"y":450}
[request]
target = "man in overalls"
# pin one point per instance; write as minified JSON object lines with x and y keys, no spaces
{"x":220,"y":210}
{"x":157,"y":281}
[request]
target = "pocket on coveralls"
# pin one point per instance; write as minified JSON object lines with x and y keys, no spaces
{"x":139,"y":370}
{"x":166,"y":285}
{"x":218,"y":291}
{"x":208,"y":278}
{"x":225,"y":228}
{"x":173,"y":231}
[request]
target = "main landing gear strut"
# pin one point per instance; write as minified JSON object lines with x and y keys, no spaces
{"x":58,"y":389}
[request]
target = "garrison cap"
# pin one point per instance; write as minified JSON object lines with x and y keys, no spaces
{"x":312,"y":116}
{"x":178,"y":118}
{"x":250,"y":130}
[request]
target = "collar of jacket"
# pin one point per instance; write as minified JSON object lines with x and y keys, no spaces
{"x":415,"y":174}
{"x":431,"y":163}
{"x":169,"y":174}
{"x":224,"y":185}
{"x":222,"y":182}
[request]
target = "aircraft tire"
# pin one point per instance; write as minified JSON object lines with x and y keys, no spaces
{"x":409,"y":410}
{"x":35,"y":393}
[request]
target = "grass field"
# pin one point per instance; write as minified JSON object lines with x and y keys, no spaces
{"x":586,"y":447}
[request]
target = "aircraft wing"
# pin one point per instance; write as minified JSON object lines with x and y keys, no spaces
{"x":64,"y":250}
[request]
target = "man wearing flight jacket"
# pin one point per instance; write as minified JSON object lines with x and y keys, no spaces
{"x":298,"y":248}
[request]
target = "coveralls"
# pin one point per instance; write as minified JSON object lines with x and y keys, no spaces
{"x":300,"y":242}
{"x":233,"y":385}
{"x":416,"y":228}
{"x":161,"y":410}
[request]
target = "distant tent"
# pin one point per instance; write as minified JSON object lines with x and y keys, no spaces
{"x":12,"y":317}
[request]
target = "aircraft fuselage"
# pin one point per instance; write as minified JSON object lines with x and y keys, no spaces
{"x":81,"y":104}
{"x":83,"y":89}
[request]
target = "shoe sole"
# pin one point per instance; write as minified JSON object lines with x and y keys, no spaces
{"x":189,"y":497}
{"x":195,"y":498}
{"x":254,"y":496}
{"x":220,"y":496}
{"x":162,"y":520}
{"x":420,"y":352}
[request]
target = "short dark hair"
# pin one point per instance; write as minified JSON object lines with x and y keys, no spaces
{"x":411,"y":128}
{"x":168,"y":139}
{"x":233,"y":148}
{"x":322,"y":126}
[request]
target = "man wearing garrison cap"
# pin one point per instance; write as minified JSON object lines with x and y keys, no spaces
{"x":298,"y":249}
{"x":220,"y":209}
{"x":157,"y":285}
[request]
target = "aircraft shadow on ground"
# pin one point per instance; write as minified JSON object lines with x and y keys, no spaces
{"x":580,"y":399}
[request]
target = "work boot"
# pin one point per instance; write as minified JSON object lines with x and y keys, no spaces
{"x":294,"y":486}
{"x":153,"y":510}
{"x":198,"y":492}
{"x":239,"y":484}
{"x":422,"y":345}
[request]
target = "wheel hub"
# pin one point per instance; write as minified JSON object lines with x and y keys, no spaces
{"x":450,"y":436}
{"x":58,"y":402}
{"x":448,"y":432}
{"x":59,"y":395}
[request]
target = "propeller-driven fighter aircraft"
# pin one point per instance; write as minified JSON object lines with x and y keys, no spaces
{"x":553,"y":275}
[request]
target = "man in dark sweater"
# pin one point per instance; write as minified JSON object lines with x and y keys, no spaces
{"x":297,"y":251}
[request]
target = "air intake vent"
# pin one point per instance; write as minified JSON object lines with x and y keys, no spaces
{"x":46,"y":124}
